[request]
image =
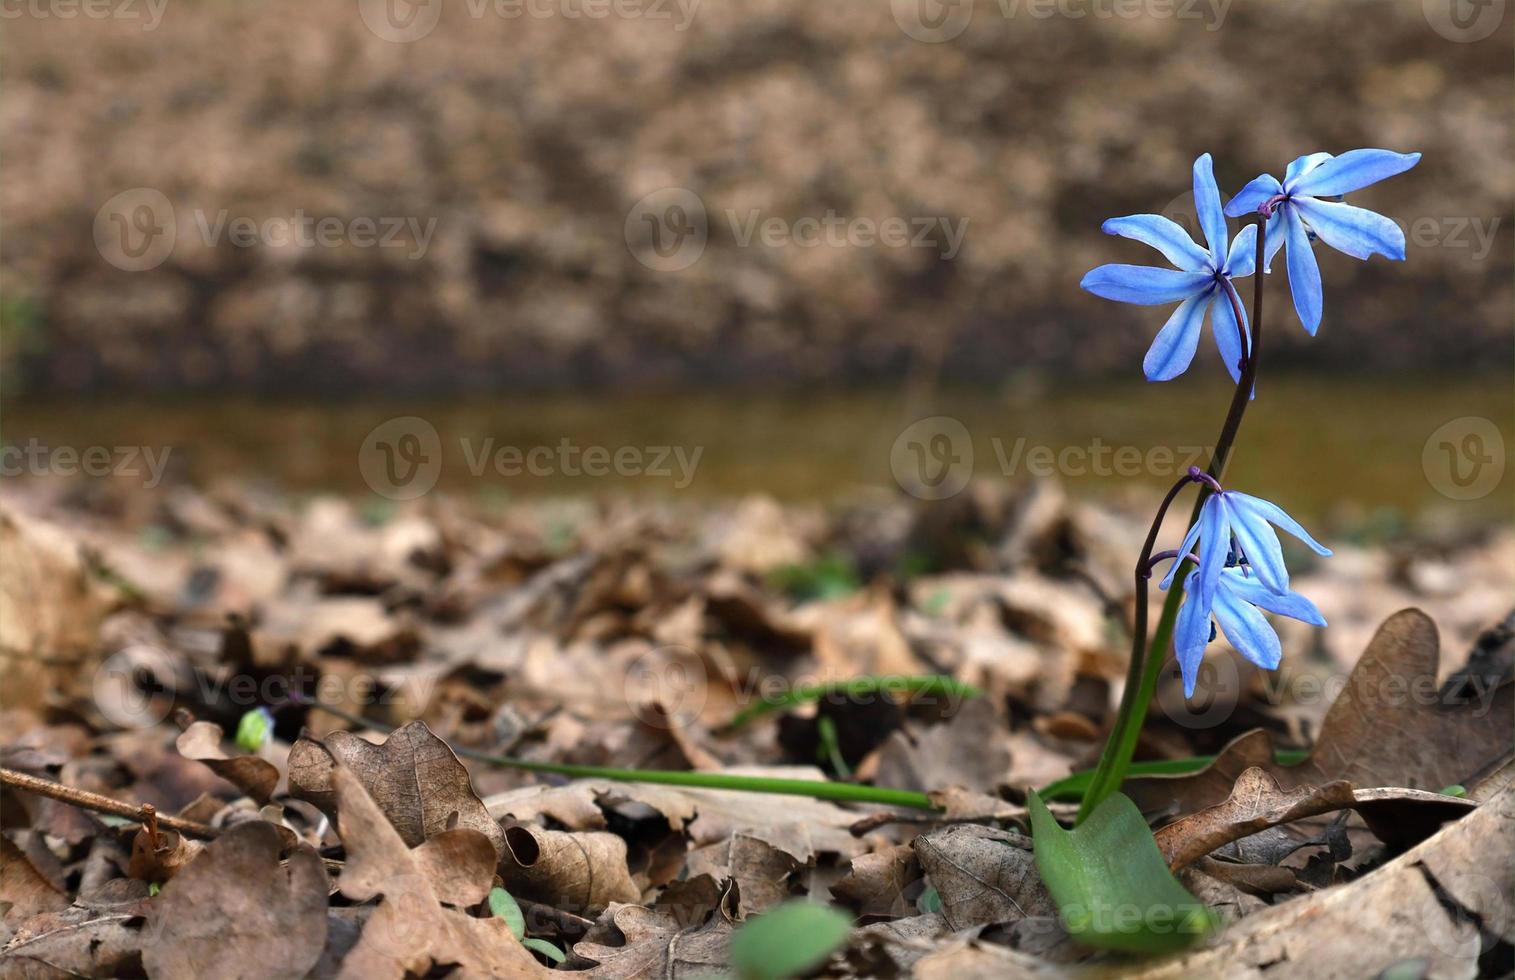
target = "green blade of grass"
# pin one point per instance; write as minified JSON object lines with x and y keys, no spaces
{"x":1072,"y":788}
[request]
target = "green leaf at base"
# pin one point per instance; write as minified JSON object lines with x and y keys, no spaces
{"x":546,"y":948}
{"x":1111,"y":884}
{"x":503,"y":906}
{"x":788,"y":941}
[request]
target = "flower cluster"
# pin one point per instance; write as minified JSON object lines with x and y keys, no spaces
{"x":1240,"y":571}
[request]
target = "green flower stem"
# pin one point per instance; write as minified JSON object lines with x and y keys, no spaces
{"x":815,"y":789}
{"x":856,"y":688}
{"x":1147,"y":660}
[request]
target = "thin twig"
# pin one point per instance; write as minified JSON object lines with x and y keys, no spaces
{"x":84,"y":799}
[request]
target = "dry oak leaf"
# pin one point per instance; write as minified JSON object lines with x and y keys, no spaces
{"x":1440,"y":905}
{"x":236,"y":912}
{"x":1389,"y":727}
{"x":76,"y":942}
{"x":256,"y":777}
{"x":1257,"y":803}
{"x":983,"y":875}
{"x":632,"y":942}
{"x":761,"y":871}
{"x":413,"y":776}
{"x":877,"y":883}
{"x":410,"y":931}
{"x":582,"y":873}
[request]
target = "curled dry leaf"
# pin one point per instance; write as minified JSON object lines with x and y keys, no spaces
{"x":1389,"y":727}
{"x":256,"y":777}
{"x":983,"y":875}
{"x":582,"y":872}
{"x":1441,"y":906}
{"x":410,"y":931}
{"x":158,"y":855}
{"x":413,"y":776}
{"x":235,"y":911}
{"x":1256,"y":802}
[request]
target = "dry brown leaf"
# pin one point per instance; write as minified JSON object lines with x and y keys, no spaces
{"x":876,"y":884}
{"x":632,"y":942}
{"x":970,"y":750}
{"x":25,"y":891}
{"x":1255,"y":802}
{"x":76,"y":942}
{"x":761,"y":871}
{"x":1379,"y":731}
{"x":413,"y":776}
{"x":580,"y":872}
{"x":235,"y":911}
{"x":983,"y":875}
{"x":256,"y":777}
{"x":410,"y":931}
{"x":1438,"y":905}
{"x":50,"y":610}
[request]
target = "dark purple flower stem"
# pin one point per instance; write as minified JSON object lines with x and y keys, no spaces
{"x":1146,"y":662}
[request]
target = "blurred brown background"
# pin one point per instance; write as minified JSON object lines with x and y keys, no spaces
{"x":519,"y":140}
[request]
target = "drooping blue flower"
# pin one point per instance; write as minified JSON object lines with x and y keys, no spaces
{"x":1236,"y":538}
{"x":1235,"y":527}
{"x":1199,"y":283}
{"x":1239,"y":600}
{"x":1299,"y":213}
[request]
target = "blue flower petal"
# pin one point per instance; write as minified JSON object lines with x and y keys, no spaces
{"x":1227,"y":334}
{"x":1144,"y":284}
{"x":1260,"y":509}
{"x":1248,"y":630}
{"x":1259,"y":543}
{"x":1183,"y":549}
{"x":1274,"y":236}
{"x":1301,"y":166}
{"x":1291,"y":604}
{"x":1191,"y":634}
{"x":1251,"y":197}
{"x":1171,"y":352}
{"x":1241,"y":260}
{"x":1214,"y":544}
{"x":1168,"y":237}
{"x":1304,"y":273}
{"x":1207,"y":206}
{"x":1355,"y":231}
{"x":1352,"y":171}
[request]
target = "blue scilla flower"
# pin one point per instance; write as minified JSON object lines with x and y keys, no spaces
{"x":1200,"y":283}
{"x":1299,"y":212}
{"x":1237,"y":529}
{"x":1238,"y":605}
